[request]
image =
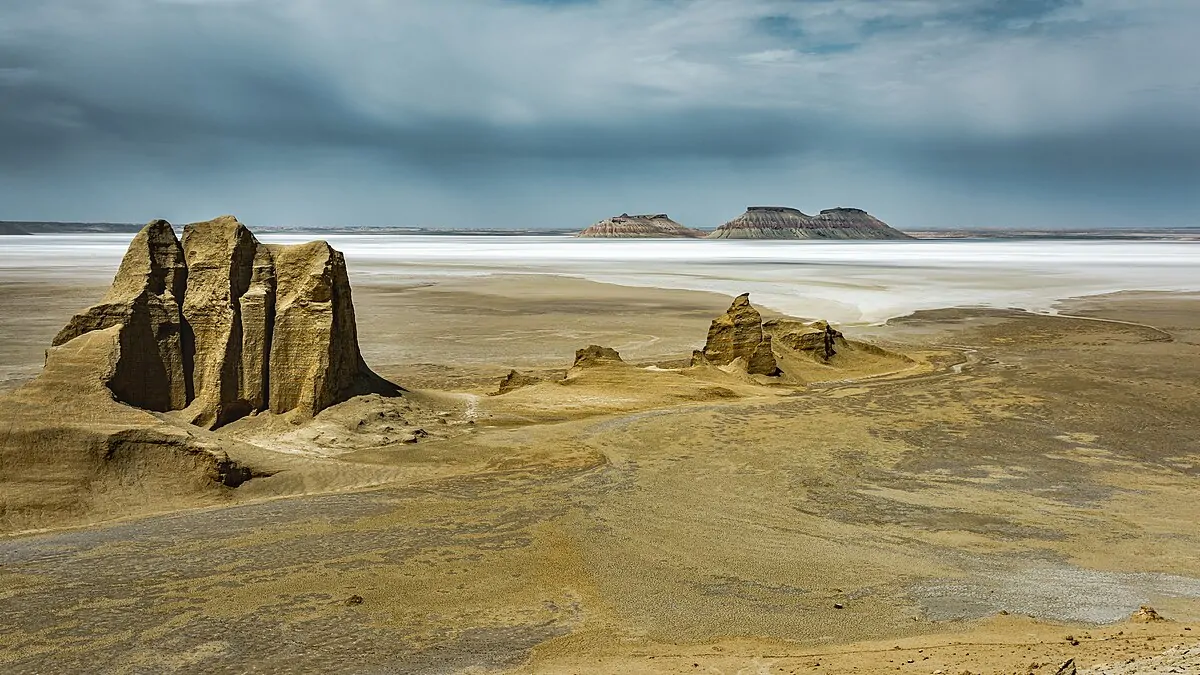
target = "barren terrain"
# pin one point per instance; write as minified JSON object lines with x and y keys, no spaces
{"x":1000,"y":505}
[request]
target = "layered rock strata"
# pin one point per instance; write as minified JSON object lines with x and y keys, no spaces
{"x":738,"y":334}
{"x":781,"y":222}
{"x":849,"y":223}
{"x":643,"y":226}
{"x":763,"y":222}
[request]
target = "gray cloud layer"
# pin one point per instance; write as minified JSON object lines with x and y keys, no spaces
{"x":553,"y":113}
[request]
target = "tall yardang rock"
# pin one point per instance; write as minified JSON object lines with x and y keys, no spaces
{"x":217,"y":327}
{"x":222,"y":326}
{"x":153,"y":367}
{"x":258,"y":323}
{"x":781,"y":222}
{"x":625,"y":226}
{"x":315,"y":361}
{"x":738,"y":334}
{"x":220,"y":256}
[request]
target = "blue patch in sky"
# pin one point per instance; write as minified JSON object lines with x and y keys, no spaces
{"x":780,"y":26}
{"x":831,"y":48}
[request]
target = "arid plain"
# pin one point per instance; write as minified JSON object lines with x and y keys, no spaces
{"x":1000,"y":500}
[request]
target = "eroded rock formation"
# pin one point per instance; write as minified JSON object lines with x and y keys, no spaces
{"x":315,"y":361}
{"x":643,"y":226}
{"x":70,"y":451}
{"x":222,"y":326}
{"x":595,"y":355}
{"x":781,"y":222}
{"x":515,"y":380}
{"x":207,"y":331}
{"x":738,"y":334}
{"x":220,"y":258}
{"x":817,"y":339}
{"x":153,"y":368}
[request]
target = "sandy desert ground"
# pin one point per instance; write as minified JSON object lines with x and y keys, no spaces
{"x":1000,"y":504}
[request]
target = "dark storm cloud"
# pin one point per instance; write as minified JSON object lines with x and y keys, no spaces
{"x":522,"y":98}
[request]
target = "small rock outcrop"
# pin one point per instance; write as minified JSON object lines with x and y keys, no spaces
{"x":515,"y":380}
{"x":657,"y":226}
{"x":153,"y":370}
{"x":1146,"y":614}
{"x":738,"y":334}
{"x":817,"y":339}
{"x":781,"y":222}
{"x":595,"y":355}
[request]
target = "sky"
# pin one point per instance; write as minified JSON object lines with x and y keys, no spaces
{"x":558,"y":113}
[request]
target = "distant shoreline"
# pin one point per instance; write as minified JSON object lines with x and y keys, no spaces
{"x":1169,"y":233}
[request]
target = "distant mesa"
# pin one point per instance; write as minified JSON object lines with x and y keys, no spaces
{"x":782,"y":222}
{"x":657,"y":226}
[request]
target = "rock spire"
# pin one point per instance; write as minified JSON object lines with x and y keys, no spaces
{"x":738,"y":334}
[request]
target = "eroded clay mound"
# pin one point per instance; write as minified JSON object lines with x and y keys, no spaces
{"x":71,"y":452}
{"x":154,"y":368}
{"x":643,"y":226}
{"x":595,"y":355}
{"x":818,"y":339}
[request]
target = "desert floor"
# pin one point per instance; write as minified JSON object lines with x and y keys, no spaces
{"x":1000,"y":507}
